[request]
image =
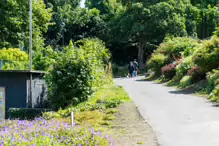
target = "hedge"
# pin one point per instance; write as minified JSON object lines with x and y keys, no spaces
{"x":26,"y":113}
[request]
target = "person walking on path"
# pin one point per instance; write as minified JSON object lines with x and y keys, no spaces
{"x":131,"y":69}
{"x":135,"y":72}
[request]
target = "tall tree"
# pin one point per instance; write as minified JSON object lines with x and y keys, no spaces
{"x":145,"y":27}
{"x":82,"y":23}
{"x":73,"y":23}
{"x":98,"y":4}
{"x":14,"y":24}
{"x":208,"y":17}
{"x":55,"y":32}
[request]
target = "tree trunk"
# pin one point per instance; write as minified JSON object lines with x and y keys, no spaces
{"x":141,"y":55}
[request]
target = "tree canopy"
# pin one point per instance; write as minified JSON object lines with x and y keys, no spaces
{"x":14,"y":24}
{"x":130,"y":28}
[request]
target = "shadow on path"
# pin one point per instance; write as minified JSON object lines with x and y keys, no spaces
{"x":190,"y":90}
{"x":215,"y":104}
{"x":141,"y":80}
{"x":158,"y":83}
{"x":146,"y":80}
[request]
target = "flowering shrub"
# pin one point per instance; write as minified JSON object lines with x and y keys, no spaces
{"x":42,"y":132}
{"x":194,"y":70}
{"x":156,"y":62}
{"x":196,"y":73}
{"x":172,"y":49}
{"x":169,"y":71}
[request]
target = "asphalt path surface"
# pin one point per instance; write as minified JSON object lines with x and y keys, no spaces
{"x":177,"y":119}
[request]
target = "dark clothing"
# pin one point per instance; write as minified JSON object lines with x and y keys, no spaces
{"x":135,"y":63}
{"x":131,"y":68}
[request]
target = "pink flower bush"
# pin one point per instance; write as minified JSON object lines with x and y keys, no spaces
{"x":169,"y":71}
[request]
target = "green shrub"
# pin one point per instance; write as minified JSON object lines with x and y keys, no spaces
{"x":207,"y":56}
{"x":13,"y":59}
{"x":79,"y":71}
{"x":184,"y":65}
{"x":176,"y":47}
{"x":44,"y":61}
{"x":213,"y":79}
{"x":214,"y":96}
{"x":26,"y":113}
{"x":109,"y":103}
{"x":177,"y":77}
{"x":115,"y":69}
{"x":156,"y":62}
{"x":185,"y":81}
{"x":217,"y":31}
{"x":120,"y":71}
{"x":182,"y":68}
{"x":213,"y":85}
{"x":50,"y":115}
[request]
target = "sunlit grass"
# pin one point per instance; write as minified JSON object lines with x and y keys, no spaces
{"x":98,"y":111}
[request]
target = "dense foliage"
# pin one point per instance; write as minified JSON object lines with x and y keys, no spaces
{"x":130,"y":28}
{"x":144,"y":24}
{"x":185,"y":81}
{"x":184,"y":66}
{"x":14,"y":25}
{"x":13,"y":59}
{"x":213,"y":82}
{"x":156,"y":62}
{"x":175,"y":48}
{"x":197,"y":58}
{"x":213,"y":79}
{"x":137,"y":25}
{"x":196,"y":73}
{"x":207,"y":57}
{"x":172,"y":50}
{"x":78,"y":71}
{"x":217,"y":31}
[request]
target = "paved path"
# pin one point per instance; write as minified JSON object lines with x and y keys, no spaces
{"x":177,"y":119}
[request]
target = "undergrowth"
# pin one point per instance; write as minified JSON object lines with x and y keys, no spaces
{"x":98,"y":111}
